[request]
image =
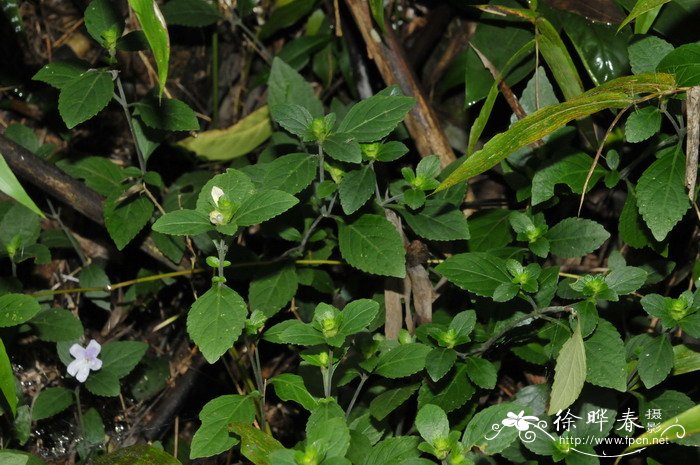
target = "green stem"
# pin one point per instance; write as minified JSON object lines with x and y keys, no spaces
{"x":123,"y":103}
{"x":356,"y":394}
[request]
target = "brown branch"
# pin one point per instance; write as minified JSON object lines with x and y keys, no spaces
{"x":692,"y":140}
{"x":391,"y":62}
{"x":61,"y":186}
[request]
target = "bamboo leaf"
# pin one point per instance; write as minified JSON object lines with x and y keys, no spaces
{"x":153,"y":25}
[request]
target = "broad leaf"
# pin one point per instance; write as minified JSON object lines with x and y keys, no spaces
{"x":477,"y":272}
{"x":605,"y":358}
{"x":356,"y":188}
{"x":403,"y":360}
{"x":655,"y":361}
{"x":263,"y":206}
{"x":213,"y":437}
{"x":140,"y":454}
{"x":167,"y":114}
{"x":641,"y":7}
{"x":646,"y":54}
{"x":437,"y":221}
{"x":7,"y":380}
{"x":104,"y":22}
{"x":574,"y":237}
{"x":10,"y":186}
{"x":374,"y":118}
{"x":571,"y":170}
{"x":388,"y":401}
{"x":215,"y":321}
{"x":273,"y":290}
{"x":84,"y":97}
{"x":51,"y":401}
{"x":432,"y":424}
{"x":16,"y":309}
{"x":372,"y":244}
{"x":126,"y":219}
{"x":642,"y":124}
{"x":194,"y":13}
{"x":684,"y":64}
{"x":291,"y":387}
{"x":57,"y":324}
{"x":183,"y":222}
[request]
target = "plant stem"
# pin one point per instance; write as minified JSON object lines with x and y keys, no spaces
{"x":363,"y":378}
{"x":328,"y":374}
{"x":123,"y":103}
{"x":257,"y":373}
{"x":321,"y":171}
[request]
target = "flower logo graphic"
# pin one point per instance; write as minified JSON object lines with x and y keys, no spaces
{"x":520,"y":421}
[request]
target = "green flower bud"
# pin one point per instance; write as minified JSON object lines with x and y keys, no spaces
{"x":449,"y":338}
{"x":442,"y":448}
{"x":405,"y":337}
{"x":319,"y":129}
{"x":370,"y":151}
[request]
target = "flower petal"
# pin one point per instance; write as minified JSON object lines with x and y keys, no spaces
{"x":95,"y":364}
{"x":74,"y":366}
{"x":510,"y":422}
{"x":83,"y":373}
{"x":216,"y":194}
{"x":93,"y":349}
{"x":77,"y":351}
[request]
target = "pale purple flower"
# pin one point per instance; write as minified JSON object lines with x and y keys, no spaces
{"x":85,"y":360}
{"x":520,"y":421}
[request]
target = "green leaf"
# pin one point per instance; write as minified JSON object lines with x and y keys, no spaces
{"x":213,"y":437}
{"x":10,"y":457}
{"x":103,"y":383}
{"x":284,"y":15}
{"x":655,"y":361}
{"x":477,"y":272}
{"x":374,"y":118}
{"x":94,"y":428}
{"x":193,"y":13}
{"x":51,"y":401}
{"x":10,"y":186}
{"x":569,"y":373}
{"x":479,"y":432}
{"x":125,"y":220}
{"x":437,"y":221}
{"x":489,"y":229}
{"x":294,"y":118}
{"x":235,"y":184}
{"x":263,"y":206}
{"x":183,"y":223}
{"x":232,"y":142}
{"x":294,"y":332}
{"x":575,"y":237}
{"x":684,"y":64}
{"x":156,"y":31}
{"x":403,"y":360}
{"x":432,"y":424}
{"x":388,"y":401}
{"x":7,"y":380}
{"x":632,"y":229}
{"x":119,"y":358}
{"x":285,"y":85}
{"x":661,"y":196}
{"x":99,"y":173}
{"x":556,"y":55}
{"x":16,"y":309}
{"x":439,"y":362}
{"x":289,"y":173}
{"x":140,"y":454}
{"x":57,"y":324}
{"x":356,"y":188}
{"x":617,"y":93}
{"x":647,"y":53}
{"x":61,"y":73}
{"x":392,"y":451}
{"x":626,"y":279}
{"x":94,"y":275}
{"x":215,"y":321}
{"x":167,"y":114}
{"x":84,"y":97}
{"x":291,"y":387}
{"x":482,"y":372}
{"x":256,"y":446}
{"x":342,"y":147}
{"x":571,"y":170}
{"x":641,"y":7}
{"x":643,"y":124}
{"x":357,"y":315}
{"x":270,"y":292}
{"x":372,"y":244}
{"x":605,"y":358}
{"x":104,"y":22}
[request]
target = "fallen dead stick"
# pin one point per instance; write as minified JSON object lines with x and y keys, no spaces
{"x":68,"y":190}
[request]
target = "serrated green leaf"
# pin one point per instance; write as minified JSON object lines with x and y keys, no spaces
{"x":235,"y":184}
{"x":167,"y":114}
{"x":232,"y":142}
{"x":103,"y":384}
{"x":432,"y":424}
{"x":388,"y":401}
{"x":403,"y":360}
{"x":294,"y":118}
{"x":439,"y":362}
{"x":294,"y":332}
{"x":571,"y":170}
{"x":479,"y":432}
{"x":285,"y":85}
{"x":263,"y":206}
{"x":100,"y":174}
{"x":689,"y":421}
{"x":215,"y":321}
{"x":569,"y":373}
{"x":642,"y":124}
{"x":661,"y":197}
{"x":153,"y":25}
{"x":193,"y":13}
{"x":617,"y":93}
{"x":357,"y":315}
{"x":104,"y":22}
{"x":60,"y":73}
{"x":16,"y":309}
{"x":342,"y":147}
{"x":481,"y":372}
{"x":647,"y":53}
{"x":7,"y":380}
{"x":270,"y":292}
{"x":626,"y":279}
{"x":437,"y":221}
{"x":631,"y":225}
{"x":289,"y":386}
{"x":372,"y":244}
{"x":575,"y":237}
{"x":213,"y":437}
{"x":10,"y":186}
{"x":655,"y":361}
{"x":683,"y":63}
{"x":641,"y":7}
{"x":477,"y":272}
{"x":605,"y":358}
{"x":256,"y":446}
{"x":50,"y":402}
{"x":289,"y":173}
{"x":183,"y":223}
{"x":126,"y":219}
{"x":374,"y":118}
{"x":57,"y":324}
{"x":84,"y":97}
{"x":119,"y":358}
{"x":356,"y":188}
